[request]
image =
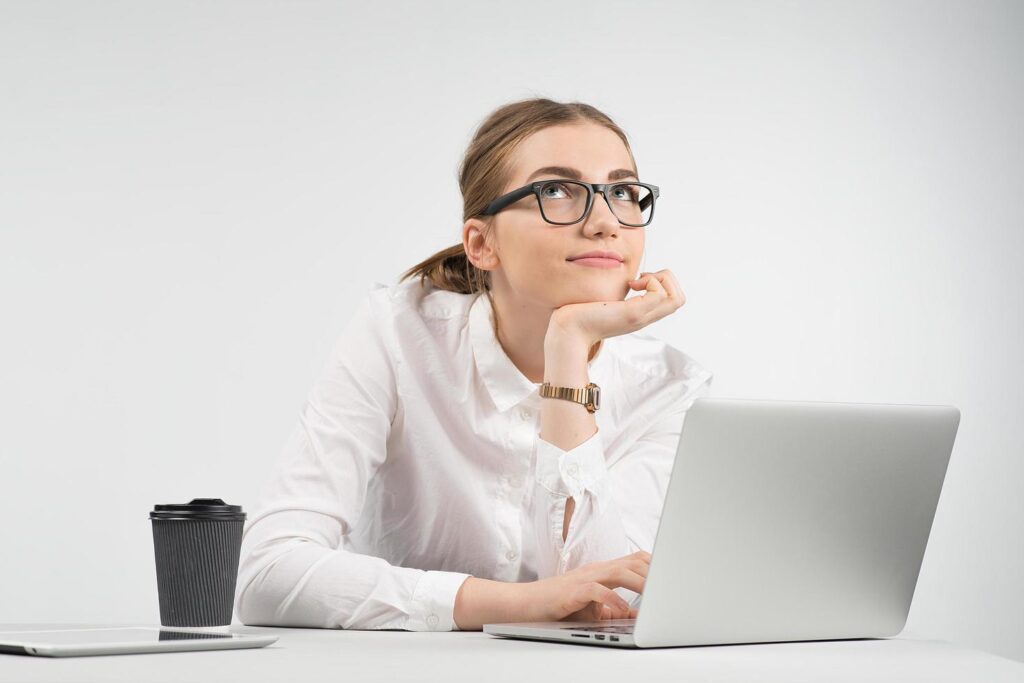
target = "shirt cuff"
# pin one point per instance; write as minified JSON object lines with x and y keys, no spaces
{"x":570,"y":473}
{"x":433,"y":601}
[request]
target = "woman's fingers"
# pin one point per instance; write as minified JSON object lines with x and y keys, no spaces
{"x":639,"y":562}
{"x":639,"y":566}
{"x":670,"y":285}
{"x":667,"y":294}
{"x":652,"y":303}
{"x":653,"y":296}
{"x":626,"y":572}
{"x":607,"y":597}
{"x":677,"y":291}
{"x":608,"y":613}
{"x":591,"y":588}
{"x":623,"y":577}
{"x":651,"y":282}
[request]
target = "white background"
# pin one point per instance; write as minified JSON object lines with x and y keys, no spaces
{"x":186,"y":222}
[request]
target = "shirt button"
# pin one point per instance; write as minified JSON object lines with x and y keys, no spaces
{"x":432,"y":621}
{"x":525,"y":415}
{"x":511,"y":555}
{"x":515,"y":482}
{"x":573,"y":469}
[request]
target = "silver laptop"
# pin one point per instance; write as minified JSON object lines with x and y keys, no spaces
{"x":784,"y":521}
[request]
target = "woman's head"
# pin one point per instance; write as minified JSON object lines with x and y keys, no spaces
{"x":516,"y":250}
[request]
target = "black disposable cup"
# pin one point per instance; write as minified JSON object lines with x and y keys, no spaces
{"x":197,"y":546}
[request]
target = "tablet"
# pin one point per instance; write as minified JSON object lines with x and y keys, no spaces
{"x":79,"y":642}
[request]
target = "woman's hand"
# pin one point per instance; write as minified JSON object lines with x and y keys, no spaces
{"x":585,"y":593}
{"x":596,"y":320}
{"x":582,"y":594}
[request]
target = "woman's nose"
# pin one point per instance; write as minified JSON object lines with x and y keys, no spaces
{"x":601,"y":218}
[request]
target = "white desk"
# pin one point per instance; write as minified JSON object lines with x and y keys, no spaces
{"x":337,"y":656}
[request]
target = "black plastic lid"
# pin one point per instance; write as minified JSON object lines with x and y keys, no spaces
{"x":198,"y":508}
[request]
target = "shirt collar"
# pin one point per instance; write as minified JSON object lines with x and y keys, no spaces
{"x":507,"y":385}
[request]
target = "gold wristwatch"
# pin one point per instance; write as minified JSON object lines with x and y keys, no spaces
{"x":589,"y":396}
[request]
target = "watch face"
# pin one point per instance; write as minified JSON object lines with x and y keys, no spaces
{"x":595,"y":394}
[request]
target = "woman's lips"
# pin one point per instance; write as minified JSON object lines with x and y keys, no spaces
{"x":597,"y":262}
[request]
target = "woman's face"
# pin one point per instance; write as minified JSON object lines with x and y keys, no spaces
{"x":531,"y":256}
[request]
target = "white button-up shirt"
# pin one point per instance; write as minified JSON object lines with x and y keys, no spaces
{"x":416,"y":462}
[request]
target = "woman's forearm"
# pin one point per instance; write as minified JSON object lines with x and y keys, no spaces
{"x":564,"y":423}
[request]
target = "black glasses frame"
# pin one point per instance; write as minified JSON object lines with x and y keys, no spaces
{"x":534,"y":189}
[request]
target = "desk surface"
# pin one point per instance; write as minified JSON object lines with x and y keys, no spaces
{"x":306,"y":655}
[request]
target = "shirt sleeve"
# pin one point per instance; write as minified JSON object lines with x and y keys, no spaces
{"x":293,"y":570}
{"x":618,"y":507}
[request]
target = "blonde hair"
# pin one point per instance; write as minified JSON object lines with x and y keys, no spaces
{"x":484,"y":172}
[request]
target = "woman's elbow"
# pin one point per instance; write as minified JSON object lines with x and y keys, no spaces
{"x":255,"y":602}
{"x":252,"y":607}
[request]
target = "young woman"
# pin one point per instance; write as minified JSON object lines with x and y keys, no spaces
{"x":491,"y":439}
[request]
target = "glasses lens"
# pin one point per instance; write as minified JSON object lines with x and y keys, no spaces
{"x":562,"y":201}
{"x":631,"y":203}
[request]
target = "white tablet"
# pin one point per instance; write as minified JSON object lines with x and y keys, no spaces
{"x":78,"y":642}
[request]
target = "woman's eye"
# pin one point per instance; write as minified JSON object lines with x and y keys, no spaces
{"x":625,"y":194}
{"x":558,"y":191}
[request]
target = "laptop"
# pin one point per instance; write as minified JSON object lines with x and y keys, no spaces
{"x":784,"y":521}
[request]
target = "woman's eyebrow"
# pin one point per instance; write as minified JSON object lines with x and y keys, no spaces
{"x":567,"y":172}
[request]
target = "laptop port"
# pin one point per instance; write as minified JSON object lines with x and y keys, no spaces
{"x":580,"y":635}
{"x":599,"y":636}
{"x":615,"y":638}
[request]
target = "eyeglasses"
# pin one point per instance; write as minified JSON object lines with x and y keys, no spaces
{"x":564,"y":202}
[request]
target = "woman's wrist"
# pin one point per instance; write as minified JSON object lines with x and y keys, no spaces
{"x":560,"y":336}
{"x":482,"y":601}
{"x":565,"y":358}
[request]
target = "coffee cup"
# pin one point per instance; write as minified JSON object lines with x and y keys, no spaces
{"x":197,"y":546}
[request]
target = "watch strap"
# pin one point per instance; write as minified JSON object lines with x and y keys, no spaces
{"x":588,"y":396}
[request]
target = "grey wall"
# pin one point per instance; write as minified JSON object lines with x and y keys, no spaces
{"x":181,"y":238}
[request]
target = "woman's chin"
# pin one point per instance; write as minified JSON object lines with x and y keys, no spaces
{"x":585,"y":295}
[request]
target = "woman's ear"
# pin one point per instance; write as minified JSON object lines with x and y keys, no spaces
{"x":479,"y":250}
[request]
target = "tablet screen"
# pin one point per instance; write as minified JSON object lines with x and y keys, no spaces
{"x":103,"y":635}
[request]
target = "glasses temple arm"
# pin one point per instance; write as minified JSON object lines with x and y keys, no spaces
{"x":510,"y":198}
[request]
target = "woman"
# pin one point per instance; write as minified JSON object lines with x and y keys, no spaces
{"x":430,"y":483}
